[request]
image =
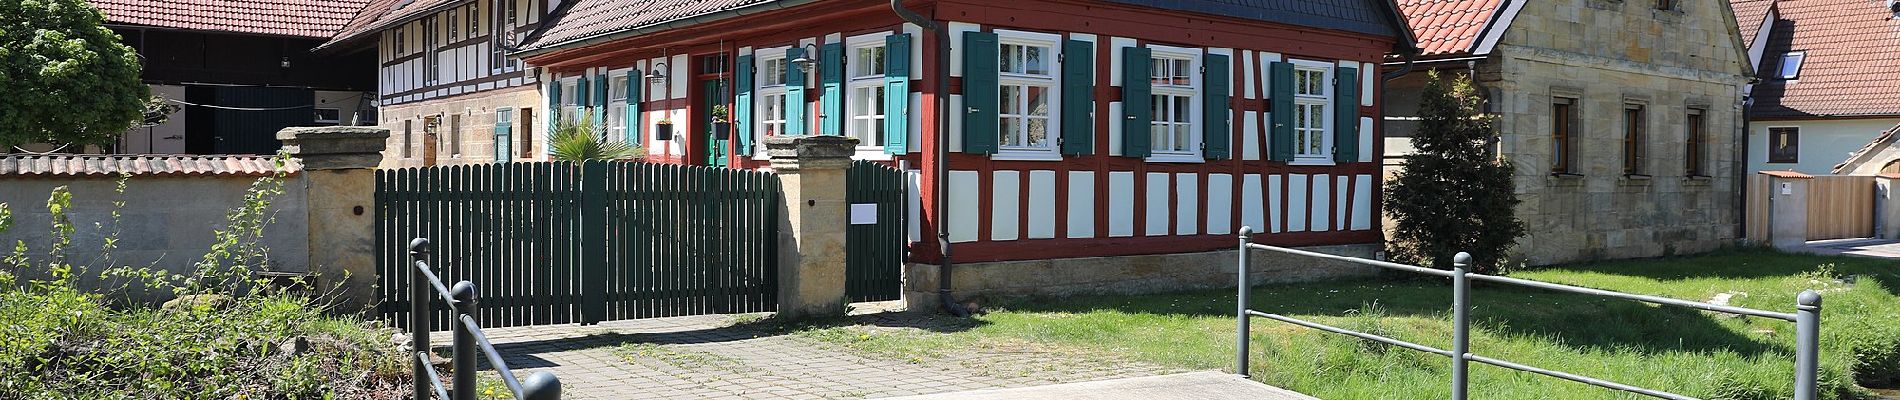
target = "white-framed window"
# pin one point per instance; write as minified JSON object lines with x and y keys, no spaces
{"x":1028,"y":94}
{"x":617,"y":105}
{"x":570,"y":100}
{"x":325,"y":115}
{"x":1791,"y":65}
{"x":1175,"y":78}
{"x":1312,"y":105}
{"x":864,"y":74}
{"x":769,"y":98}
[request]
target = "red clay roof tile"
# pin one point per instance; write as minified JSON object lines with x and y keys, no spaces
{"x":298,"y":18}
{"x":1448,"y":27}
{"x":1849,"y":68}
{"x":68,"y":165}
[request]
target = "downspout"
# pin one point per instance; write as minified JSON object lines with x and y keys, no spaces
{"x":941,"y":173}
{"x":1740,"y":164}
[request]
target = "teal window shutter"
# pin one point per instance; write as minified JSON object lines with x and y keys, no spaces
{"x":897,"y":93}
{"x":581,"y":98}
{"x":600,"y":101}
{"x":553,"y":112}
{"x":1280,"y":143}
{"x":979,"y":92}
{"x":831,"y":117}
{"x":742,"y":104}
{"x":504,"y":136}
{"x":1137,"y":102}
{"x":795,"y":107}
{"x":1346,"y":118}
{"x":635,"y":81}
{"x":1217,"y":125}
{"x":1078,"y":97}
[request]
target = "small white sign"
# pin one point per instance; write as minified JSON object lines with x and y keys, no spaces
{"x":864,"y":213}
{"x":1787,"y":188}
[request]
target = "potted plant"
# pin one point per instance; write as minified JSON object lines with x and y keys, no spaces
{"x":721,"y":121}
{"x":663,"y":129}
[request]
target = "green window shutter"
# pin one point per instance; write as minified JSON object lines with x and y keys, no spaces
{"x":553,"y":112}
{"x":600,"y":102}
{"x":897,"y":93}
{"x":1281,"y":138}
{"x":581,"y":98}
{"x":1346,"y":118}
{"x":979,"y":92}
{"x":1078,"y":97}
{"x":504,"y":136}
{"x":1137,"y":102}
{"x":742,"y":104}
{"x":831,"y":117}
{"x":795,"y":107}
{"x":635,"y":81}
{"x":1217,"y":129}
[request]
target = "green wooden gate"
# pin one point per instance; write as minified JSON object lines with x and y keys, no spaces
{"x":564,"y":242}
{"x":876,"y":240}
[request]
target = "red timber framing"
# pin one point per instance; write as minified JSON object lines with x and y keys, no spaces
{"x":1289,"y":207}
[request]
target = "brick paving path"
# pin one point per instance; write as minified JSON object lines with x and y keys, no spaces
{"x":705,"y":357}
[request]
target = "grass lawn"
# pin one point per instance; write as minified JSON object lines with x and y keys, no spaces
{"x":1684,"y":351}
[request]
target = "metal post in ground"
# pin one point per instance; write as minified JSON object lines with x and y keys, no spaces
{"x":541,"y":386}
{"x":419,"y":315}
{"x":1240,"y":312}
{"x":1461,"y":335}
{"x":1807,"y":338}
{"x":465,"y":348}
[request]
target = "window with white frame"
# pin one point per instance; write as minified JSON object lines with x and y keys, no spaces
{"x":865,"y":67}
{"x":1175,"y":80}
{"x":570,"y":100}
{"x":1026,"y":94}
{"x":617,"y":106}
{"x":1312,"y":97}
{"x":770,"y":94}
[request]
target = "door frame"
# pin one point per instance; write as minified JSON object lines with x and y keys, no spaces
{"x":699,"y":114}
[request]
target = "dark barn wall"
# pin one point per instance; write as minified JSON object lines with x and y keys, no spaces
{"x":173,"y":56}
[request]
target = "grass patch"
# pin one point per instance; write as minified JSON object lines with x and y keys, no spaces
{"x":1685,"y":351}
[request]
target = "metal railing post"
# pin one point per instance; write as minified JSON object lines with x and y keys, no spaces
{"x":1807,"y":338}
{"x":465,"y":350}
{"x":1461,"y":335}
{"x":419,"y":314}
{"x":1240,"y":311}
{"x":541,"y":386}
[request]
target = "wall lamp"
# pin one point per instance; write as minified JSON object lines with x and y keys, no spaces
{"x":658,"y":74}
{"x":805,"y":62}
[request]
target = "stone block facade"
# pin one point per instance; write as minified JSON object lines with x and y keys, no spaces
{"x":473,"y":116}
{"x":1607,"y":56}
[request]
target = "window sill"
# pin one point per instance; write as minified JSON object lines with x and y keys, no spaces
{"x":1005,"y":155}
{"x":1176,"y":158}
{"x":1312,"y":162}
{"x":871,"y":154}
{"x":1634,"y":180}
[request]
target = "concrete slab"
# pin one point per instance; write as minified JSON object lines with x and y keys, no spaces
{"x":1206,"y":385}
{"x":1877,"y":248}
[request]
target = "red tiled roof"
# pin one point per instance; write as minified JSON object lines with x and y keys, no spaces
{"x":299,"y":18}
{"x":1849,"y":68}
{"x":1749,"y":15}
{"x":1448,"y":27}
{"x":364,"y":20}
{"x":69,"y":165}
{"x":586,"y":18}
{"x":386,"y":14}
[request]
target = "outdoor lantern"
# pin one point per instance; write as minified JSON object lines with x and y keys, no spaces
{"x":805,"y":62}
{"x":657,"y":75}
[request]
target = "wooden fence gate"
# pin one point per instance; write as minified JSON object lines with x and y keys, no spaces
{"x":1839,"y":207}
{"x":564,"y":242}
{"x":876,"y":240}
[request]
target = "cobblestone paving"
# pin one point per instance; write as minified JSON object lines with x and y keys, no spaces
{"x":708,"y":356}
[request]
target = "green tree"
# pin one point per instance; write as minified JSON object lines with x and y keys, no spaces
{"x":583,"y":140}
{"x":1453,"y":195}
{"x":68,"y":78}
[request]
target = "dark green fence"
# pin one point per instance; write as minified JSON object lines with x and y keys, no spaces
{"x":565,"y":242}
{"x":874,"y":258}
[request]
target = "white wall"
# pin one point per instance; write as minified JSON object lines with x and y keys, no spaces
{"x":1823,"y":143}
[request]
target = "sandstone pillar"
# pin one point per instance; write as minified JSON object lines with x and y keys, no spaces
{"x":340,"y":181}
{"x":811,"y":171}
{"x":1887,"y":206}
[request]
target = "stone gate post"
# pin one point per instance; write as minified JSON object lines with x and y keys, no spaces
{"x":340,"y":180}
{"x":1887,"y":206}
{"x":811,"y":171}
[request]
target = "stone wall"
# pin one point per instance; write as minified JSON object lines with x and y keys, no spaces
{"x":1127,"y":274}
{"x":406,"y":125}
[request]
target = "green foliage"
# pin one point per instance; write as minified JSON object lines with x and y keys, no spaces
{"x":1454,"y":194}
{"x":585,"y":140}
{"x":69,"y":79}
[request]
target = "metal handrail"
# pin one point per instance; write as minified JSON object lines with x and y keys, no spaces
{"x":1807,"y":320}
{"x":468,"y":337}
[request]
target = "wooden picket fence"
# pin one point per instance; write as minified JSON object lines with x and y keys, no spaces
{"x":564,"y":242}
{"x":1839,"y":207}
{"x":875,"y":243}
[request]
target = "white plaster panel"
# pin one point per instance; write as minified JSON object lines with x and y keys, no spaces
{"x":1362,"y":203}
{"x":956,"y":46}
{"x":1114,"y":128}
{"x":1365,"y":139}
{"x":1322,"y":203}
{"x":1220,"y":204}
{"x":1115,"y":59}
{"x":1296,"y":209}
{"x":914,"y":202}
{"x":1368,"y":82}
{"x":1342,"y":186}
{"x":1252,"y":203}
{"x":956,"y":125}
{"x":964,"y":199}
{"x":1247,"y":75}
{"x":1042,"y":204}
{"x":1081,"y":216}
{"x":1157,"y":207}
{"x":1188,"y":207}
{"x":1121,"y":203}
{"x":1250,"y":136}
{"x":1006,"y":189}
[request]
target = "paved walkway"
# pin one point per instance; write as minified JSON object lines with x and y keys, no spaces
{"x":1206,"y":385}
{"x":704,"y":357}
{"x":1879,"y":248}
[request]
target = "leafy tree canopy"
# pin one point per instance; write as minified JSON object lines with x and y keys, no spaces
{"x":1454,"y":194}
{"x":68,"y":78}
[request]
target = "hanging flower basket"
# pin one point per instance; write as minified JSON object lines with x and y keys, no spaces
{"x":663,"y":131}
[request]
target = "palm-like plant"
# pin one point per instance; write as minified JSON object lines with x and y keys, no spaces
{"x":584,"y":140}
